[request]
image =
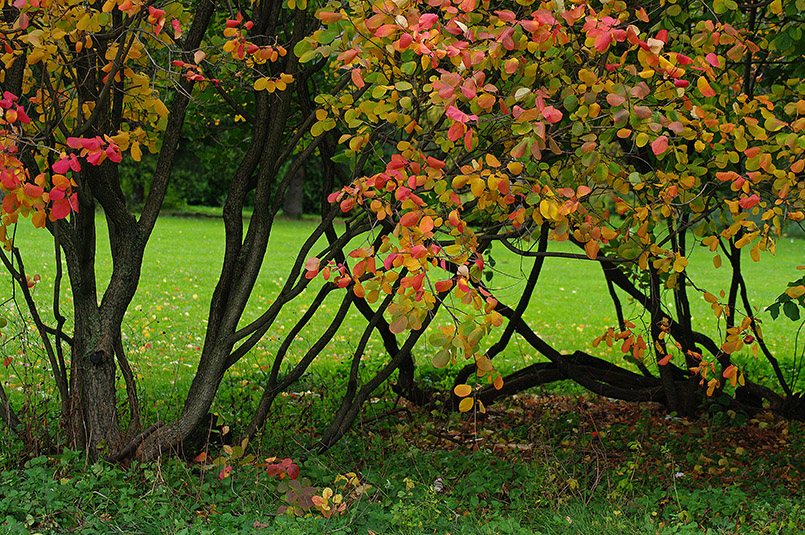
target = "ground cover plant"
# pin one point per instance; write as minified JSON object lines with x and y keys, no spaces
{"x":541,"y":463}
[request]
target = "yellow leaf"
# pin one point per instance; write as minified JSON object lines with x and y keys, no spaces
{"x":680,"y":264}
{"x":260,"y":84}
{"x":83,"y":22}
{"x":717,"y":261}
{"x":160,"y":108}
{"x":462,"y":391}
{"x":136,"y":152}
{"x":515,"y":168}
{"x":466,"y":404}
{"x":484,"y":364}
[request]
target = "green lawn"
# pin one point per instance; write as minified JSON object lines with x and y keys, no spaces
{"x":164,"y":327}
{"x":546,"y":463}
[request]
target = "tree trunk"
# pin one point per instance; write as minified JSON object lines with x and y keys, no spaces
{"x":293,"y":206}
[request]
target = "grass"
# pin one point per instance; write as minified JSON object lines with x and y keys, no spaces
{"x":543,"y":462}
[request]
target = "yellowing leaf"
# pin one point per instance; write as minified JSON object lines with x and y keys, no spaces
{"x":160,"y":108}
{"x":466,"y":405}
{"x":704,"y":87}
{"x":680,"y":264}
{"x":795,"y":291}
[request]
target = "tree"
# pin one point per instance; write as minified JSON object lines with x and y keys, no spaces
{"x":636,"y":133}
{"x":85,"y":83}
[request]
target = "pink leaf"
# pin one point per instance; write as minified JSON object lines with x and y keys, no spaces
{"x":74,"y":142}
{"x":659,"y":145}
{"x":712,"y":59}
{"x":113,"y":153}
{"x":427,"y":21}
{"x":62,"y":166}
{"x":551,"y":114}
{"x":177,"y":29}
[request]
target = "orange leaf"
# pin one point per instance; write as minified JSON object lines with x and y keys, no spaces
{"x":462,"y":391}
{"x":357,"y":79}
{"x":328,"y":17}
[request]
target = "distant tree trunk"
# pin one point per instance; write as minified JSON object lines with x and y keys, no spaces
{"x":293,"y":206}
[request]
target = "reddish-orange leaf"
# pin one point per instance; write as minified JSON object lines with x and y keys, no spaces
{"x":357,"y":79}
{"x":409,"y":219}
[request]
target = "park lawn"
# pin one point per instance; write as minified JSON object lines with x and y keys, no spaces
{"x":544,"y":463}
{"x":165,"y":324}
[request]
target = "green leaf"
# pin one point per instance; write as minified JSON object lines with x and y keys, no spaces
{"x":440,"y":339}
{"x":441,"y":359}
{"x":791,"y":310}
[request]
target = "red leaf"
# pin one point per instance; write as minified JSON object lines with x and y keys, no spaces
{"x":443,"y":286}
{"x":60,"y":209}
{"x":434,"y":163}
{"x":456,"y":131}
{"x":32,"y":190}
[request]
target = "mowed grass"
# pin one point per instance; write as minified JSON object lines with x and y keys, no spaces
{"x":165,"y":324}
